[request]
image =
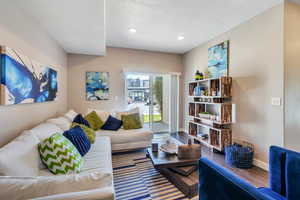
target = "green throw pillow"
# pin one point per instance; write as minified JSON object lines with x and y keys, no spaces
{"x":94,"y":120}
{"x":60,"y":155}
{"x":131,"y":121}
{"x":90,"y":133}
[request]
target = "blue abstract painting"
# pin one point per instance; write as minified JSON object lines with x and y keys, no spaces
{"x":218,"y":60}
{"x":97,"y":86}
{"x":24,"y":80}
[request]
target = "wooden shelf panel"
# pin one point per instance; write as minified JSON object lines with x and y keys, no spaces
{"x":209,"y":103}
{"x":223,"y":97}
{"x":209,"y":120}
{"x":206,"y":143}
{"x":204,"y":80}
{"x":221,"y":86}
{"x":208,"y":126}
{"x":214,"y":99}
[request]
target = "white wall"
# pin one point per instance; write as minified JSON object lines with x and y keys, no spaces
{"x":115,"y":61}
{"x":19,"y":32}
{"x":256,"y":65}
{"x":292,"y":74}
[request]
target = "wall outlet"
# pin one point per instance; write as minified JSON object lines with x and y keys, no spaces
{"x":276,"y":101}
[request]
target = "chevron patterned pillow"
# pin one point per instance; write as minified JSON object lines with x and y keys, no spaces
{"x":60,"y":155}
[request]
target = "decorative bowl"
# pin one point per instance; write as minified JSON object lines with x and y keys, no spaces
{"x":169,"y":148}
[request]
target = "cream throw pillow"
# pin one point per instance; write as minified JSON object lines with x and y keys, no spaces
{"x":61,"y":122}
{"x":71,"y":114}
{"x":128,"y":112}
{"x":20,"y":157}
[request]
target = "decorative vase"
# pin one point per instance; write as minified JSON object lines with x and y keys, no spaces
{"x":198,"y":75}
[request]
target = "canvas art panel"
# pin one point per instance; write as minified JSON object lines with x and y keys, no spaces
{"x":24,"y":80}
{"x":97,"y":86}
{"x":218,"y":57}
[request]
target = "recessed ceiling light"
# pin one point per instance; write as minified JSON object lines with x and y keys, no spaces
{"x":132,"y":30}
{"x":180,"y":37}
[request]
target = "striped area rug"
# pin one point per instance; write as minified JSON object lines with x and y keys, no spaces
{"x":135,"y":178}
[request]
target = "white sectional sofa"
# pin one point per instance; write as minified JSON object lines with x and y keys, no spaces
{"x":23,"y":176}
{"x":127,"y":140}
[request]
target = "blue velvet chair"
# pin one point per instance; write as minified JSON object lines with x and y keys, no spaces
{"x":218,"y":183}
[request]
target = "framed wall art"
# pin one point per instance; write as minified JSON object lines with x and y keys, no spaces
{"x":24,"y":80}
{"x":218,"y":60}
{"x":97,"y":86}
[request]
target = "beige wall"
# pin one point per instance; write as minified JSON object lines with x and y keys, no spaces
{"x":292,"y":74}
{"x":115,"y":61}
{"x":256,"y":65}
{"x":21,"y":33}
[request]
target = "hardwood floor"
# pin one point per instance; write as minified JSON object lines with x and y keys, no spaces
{"x":256,"y":176}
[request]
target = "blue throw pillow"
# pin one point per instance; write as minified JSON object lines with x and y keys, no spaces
{"x":80,"y":120}
{"x":79,"y":139}
{"x":112,"y":124}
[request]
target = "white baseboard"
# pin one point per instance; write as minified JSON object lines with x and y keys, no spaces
{"x":261,"y":164}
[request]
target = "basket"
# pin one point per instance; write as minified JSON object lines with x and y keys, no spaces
{"x":240,"y":156}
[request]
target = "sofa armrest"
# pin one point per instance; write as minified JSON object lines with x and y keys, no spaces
{"x":292,"y":175}
{"x":216,"y":182}
{"x":106,"y":193}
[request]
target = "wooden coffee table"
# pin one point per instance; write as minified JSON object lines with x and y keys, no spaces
{"x":169,"y":165}
{"x":163,"y":160}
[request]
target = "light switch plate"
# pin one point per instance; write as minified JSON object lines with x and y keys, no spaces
{"x":276,"y":101}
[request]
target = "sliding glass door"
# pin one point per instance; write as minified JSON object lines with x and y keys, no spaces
{"x":152,"y":94}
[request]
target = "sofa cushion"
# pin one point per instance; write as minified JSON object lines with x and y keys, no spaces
{"x":128,"y":112}
{"x":124,"y":147}
{"x":101,"y":113}
{"x":277,"y":169}
{"x":131,"y":121}
{"x":60,"y":155}
{"x":70,"y":115}
{"x":80,"y":120}
{"x":90,"y":133}
{"x":112,"y":124}
{"x":17,"y":188}
{"x":94,"y":120}
{"x":99,"y":157}
{"x":20,"y":157}
{"x":45,"y":130}
{"x":62,"y":122}
{"x":292,"y":175}
{"x":79,"y":139}
{"x":103,"y":193}
{"x":127,"y":136}
{"x":271,"y":193}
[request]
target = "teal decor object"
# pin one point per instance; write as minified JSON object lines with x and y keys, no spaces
{"x":218,"y":60}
